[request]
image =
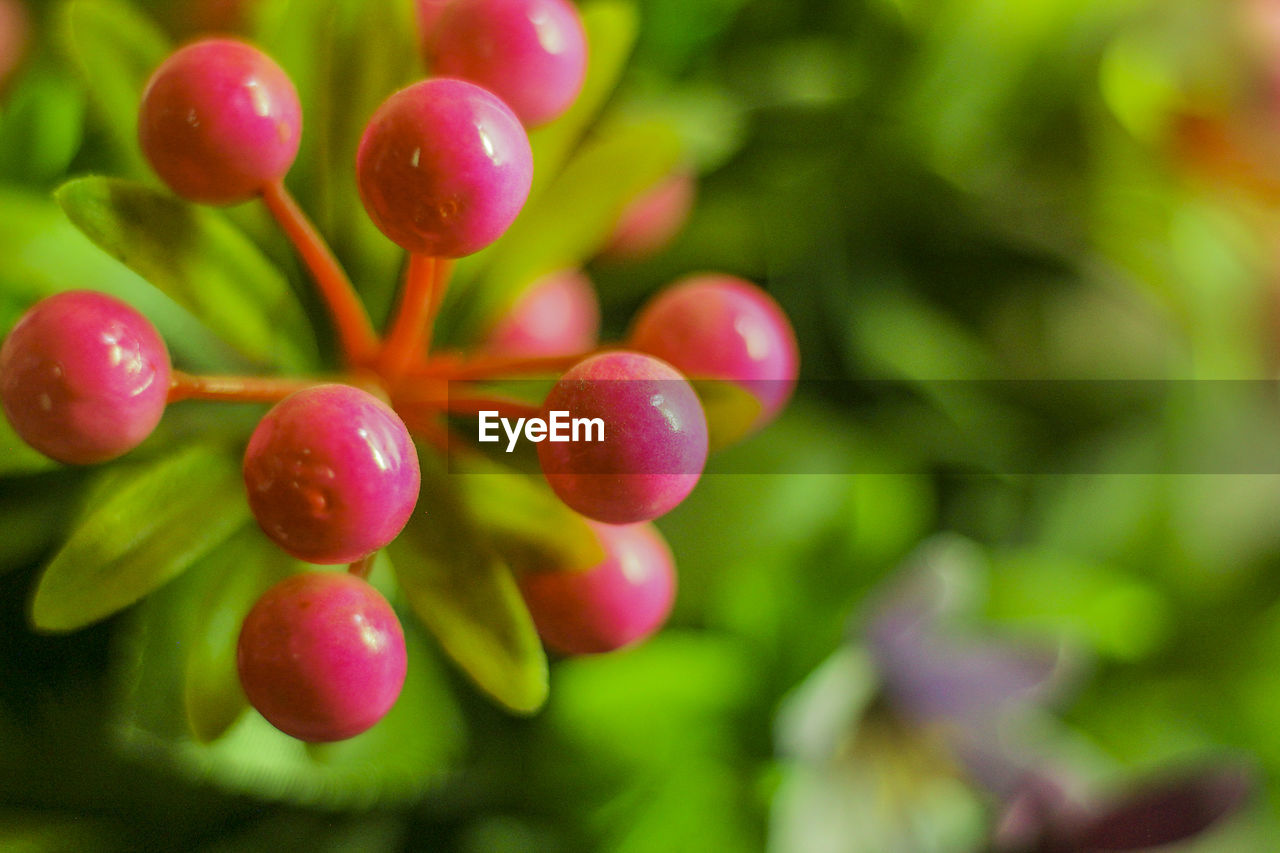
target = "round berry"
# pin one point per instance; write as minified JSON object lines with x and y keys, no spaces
{"x":654,"y":445}
{"x":219,"y":121}
{"x":653,"y":219}
{"x":558,"y":315}
{"x":619,"y":602}
{"x":530,"y":53}
{"x":444,"y":167}
{"x":714,"y":326}
{"x":332,"y":474}
{"x":83,"y":377}
{"x":321,"y":655}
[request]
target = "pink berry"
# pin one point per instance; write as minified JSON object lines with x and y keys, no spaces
{"x":321,"y":655}
{"x":558,"y":315}
{"x":444,"y":167}
{"x":219,"y":121}
{"x":655,"y":438}
{"x":621,"y":601}
{"x":653,"y":219}
{"x":714,"y":326}
{"x":530,"y":53}
{"x":83,"y":377}
{"x":332,"y":474}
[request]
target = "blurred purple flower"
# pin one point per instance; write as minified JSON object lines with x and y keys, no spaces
{"x":977,"y":705}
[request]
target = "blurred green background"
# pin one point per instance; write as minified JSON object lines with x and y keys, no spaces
{"x":939,"y":193}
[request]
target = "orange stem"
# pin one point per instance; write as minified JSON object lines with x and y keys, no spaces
{"x":350,"y":319}
{"x":234,"y":389}
{"x":411,"y":326}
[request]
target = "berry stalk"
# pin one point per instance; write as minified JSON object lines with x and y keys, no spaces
{"x":355,"y":331}
{"x":234,"y":389}
{"x":411,"y":328}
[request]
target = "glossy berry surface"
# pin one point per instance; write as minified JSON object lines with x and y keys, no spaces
{"x":331,"y":473}
{"x":219,"y":121}
{"x":558,"y":315}
{"x":714,"y":326}
{"x":619,"y":602}
{"x":444,"y":167}
{"x":321,"y":656}
{"x":652,"y":220}
{"x":530,"y":53}
{"x":655,"y":438}
{"x":84,"y":377}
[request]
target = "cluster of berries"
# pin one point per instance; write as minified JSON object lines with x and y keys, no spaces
{"x":332,"y":471}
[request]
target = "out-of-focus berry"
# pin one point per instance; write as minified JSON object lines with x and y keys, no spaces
{"x":715,"y":326}
{"x":558,"y":315}
{"x":530,"y":53}
{"x":651,"y":221}
{"x":619,"y":602}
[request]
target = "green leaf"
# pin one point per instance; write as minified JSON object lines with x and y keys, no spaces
{"x":159,"y":520}
{"x":523,"y":520}
{"x":196,"y":257}
{"x":468,"y":598}
{"x":231,"y":578}
{"x":611,"y":27}
{"x":44,"y":254}
{"x":731,"y":411}
{"x":114,"y":48}
{"x":571,"y":220}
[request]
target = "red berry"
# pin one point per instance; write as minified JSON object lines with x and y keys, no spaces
{"x":648,"y":223}
{"x":321,"y":655}
{"x":558,"y":315}
{"x":332,"y":474}
{"x":621,"y":601}
{"x":83,"y":377}
{"x":219,"y":121}
{"x":655,"y":438}
{"x":444,"y":167}
{"x":530,"y":53}
{"x":714,"y":326}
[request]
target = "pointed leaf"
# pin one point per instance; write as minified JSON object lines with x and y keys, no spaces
{"x":159,"y":520}
{"x":523,"y":520}
{"x":114,"y":48}
{"x":232,"y":577}
{"x":469,"y":599}
{"x":196,"y":257}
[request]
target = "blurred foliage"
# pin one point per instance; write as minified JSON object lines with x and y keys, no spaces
{"x":938,"y":192}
